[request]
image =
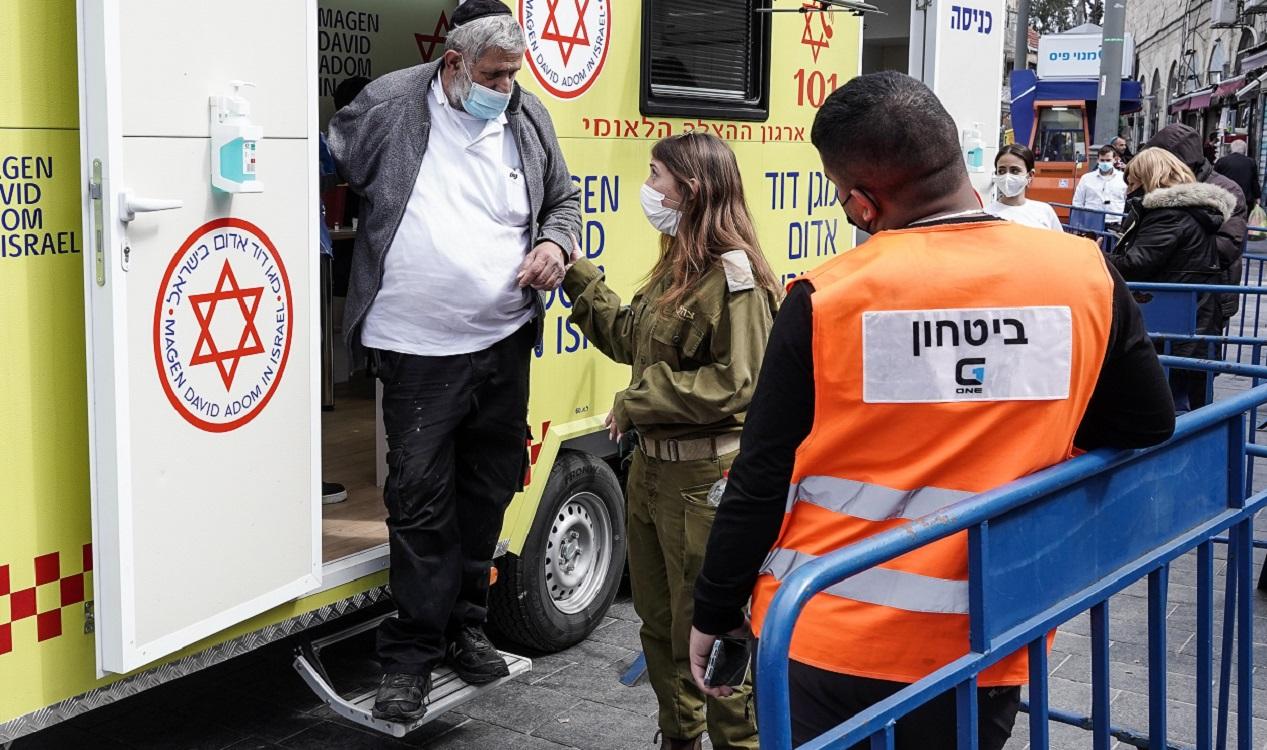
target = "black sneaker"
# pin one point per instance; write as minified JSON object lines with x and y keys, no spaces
{"x":402,"y":698}
{"x":333,"y":492}
{"x":475,"y":658}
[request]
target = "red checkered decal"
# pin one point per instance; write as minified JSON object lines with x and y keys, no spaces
{"x":534,"y":451}
{"x":24,"y":603}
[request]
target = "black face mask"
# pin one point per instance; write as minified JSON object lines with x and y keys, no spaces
{"x":850,"y":220}
{"x":1136,"y":193}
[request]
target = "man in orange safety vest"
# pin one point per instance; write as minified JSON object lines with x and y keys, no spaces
{"x":950,"y":353}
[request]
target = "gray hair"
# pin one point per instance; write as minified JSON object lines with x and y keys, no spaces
{"x":1239,"y":147}
{"x":475,"y":39}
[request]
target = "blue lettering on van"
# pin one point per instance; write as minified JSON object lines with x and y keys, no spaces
{"x":575,"y":341}
{"x":782,"y":184}
{"x":600,"y":194}
{"x":593,"y":239}
{"x":812,"y":238}
{"x":820,"y":192}
{"x":22,"y":230}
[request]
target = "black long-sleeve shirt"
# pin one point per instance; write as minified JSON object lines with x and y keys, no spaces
{"x":1131,"y":407}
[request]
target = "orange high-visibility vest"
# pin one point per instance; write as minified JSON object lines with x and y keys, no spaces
{"x":948,"y":360}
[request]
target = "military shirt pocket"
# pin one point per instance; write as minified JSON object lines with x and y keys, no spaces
{"x":679,"y":342}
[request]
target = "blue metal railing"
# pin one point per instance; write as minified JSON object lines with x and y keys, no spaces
{"x":1170,"y":312}
{"x":1092,"y":221}
{"x":1059,"y":543}
{"x":1253,"y":273}
{"x":1088,"y":218}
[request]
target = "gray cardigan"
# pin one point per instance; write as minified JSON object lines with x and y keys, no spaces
{"x":378,"y":142}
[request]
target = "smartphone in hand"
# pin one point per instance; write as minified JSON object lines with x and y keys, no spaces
{"x":728,"y":662}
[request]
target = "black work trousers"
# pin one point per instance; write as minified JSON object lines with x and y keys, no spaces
{"x":1188,"y":388}
{"x":457,"y":450}
{"x":821,"y":700}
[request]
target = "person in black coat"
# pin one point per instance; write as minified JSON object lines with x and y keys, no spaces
{"x":1123,"y":150}
{"x":1185,"y":143}
{"x":1170,"y":235}
{"x":1242,"y":170}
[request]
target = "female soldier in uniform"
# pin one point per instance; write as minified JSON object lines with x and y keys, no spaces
{"x":694,"y":334}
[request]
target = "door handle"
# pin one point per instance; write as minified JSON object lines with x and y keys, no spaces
{"x":130,"y":205}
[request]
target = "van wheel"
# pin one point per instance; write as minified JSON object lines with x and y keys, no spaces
{"x":555,"y":593}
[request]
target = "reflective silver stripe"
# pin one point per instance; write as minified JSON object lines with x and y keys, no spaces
{"x":871,"y":502}
{"x":889,"y":588}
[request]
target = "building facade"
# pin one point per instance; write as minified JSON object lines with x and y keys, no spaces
{"x":1200,"y":62}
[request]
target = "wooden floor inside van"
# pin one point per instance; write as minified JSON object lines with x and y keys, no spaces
{"x":347,"y":445}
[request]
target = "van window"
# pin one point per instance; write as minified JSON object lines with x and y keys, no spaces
{"x":706,"y":58}
{"x":1060,"y":136}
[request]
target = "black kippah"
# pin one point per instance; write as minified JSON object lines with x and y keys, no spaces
{"x":475,"y":9}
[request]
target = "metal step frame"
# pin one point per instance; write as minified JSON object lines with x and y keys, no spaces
{"x":448,"y":691}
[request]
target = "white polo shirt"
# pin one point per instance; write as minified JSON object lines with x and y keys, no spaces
{"x":449,"y":276}
{"x":1102,"y":193}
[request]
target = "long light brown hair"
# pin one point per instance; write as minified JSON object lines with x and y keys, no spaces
{"x":715,"y":217}
{"x":1155,"y":168}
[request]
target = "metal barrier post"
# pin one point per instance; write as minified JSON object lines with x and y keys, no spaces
{"x":1205,"y":636}
{"x":1039,"y":734}
{"x":1157,"y":584}
{"x":1244,"y":559}
{"x":966,"y":713}
{"x":1101,"y":717}
{"x":1225,"y":655}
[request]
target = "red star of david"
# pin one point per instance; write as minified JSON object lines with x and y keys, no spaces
{"x":427,"y":43}
{"x":580,"y":35}
{"x":205,"y":350}
{"x":820,"y":40}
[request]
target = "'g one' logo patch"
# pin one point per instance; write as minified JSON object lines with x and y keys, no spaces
{"x":979,"y":354}
{"x":222,"y":325}
{"x":567,"y":42}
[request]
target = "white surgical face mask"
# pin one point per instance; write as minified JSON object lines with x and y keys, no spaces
{"x":1011,"y":185}
{"x":661,"y":216}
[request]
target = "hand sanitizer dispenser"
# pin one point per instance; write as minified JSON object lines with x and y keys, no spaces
{"x":233,"y":143}
{"x":974,"y":149}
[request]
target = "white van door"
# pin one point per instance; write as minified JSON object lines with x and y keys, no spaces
{"x":202,"y":333}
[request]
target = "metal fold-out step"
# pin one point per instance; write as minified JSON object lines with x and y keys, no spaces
{"x":448,"y":691}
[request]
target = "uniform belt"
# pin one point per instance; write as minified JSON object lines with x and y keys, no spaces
{"x":690,"y":450}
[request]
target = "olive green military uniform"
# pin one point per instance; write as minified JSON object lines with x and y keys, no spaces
{"x":694,"y":372}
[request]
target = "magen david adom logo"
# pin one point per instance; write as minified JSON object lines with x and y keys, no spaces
{"x":223,"y":323}
{"x":567,"y":42}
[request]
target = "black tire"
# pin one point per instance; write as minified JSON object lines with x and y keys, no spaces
{"x":527,"y":605}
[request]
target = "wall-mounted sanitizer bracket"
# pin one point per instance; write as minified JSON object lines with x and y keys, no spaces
{"x":234,"y":141}
{"x":974,"y":149}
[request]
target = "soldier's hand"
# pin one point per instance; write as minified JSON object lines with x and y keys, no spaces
{"x":576,"y":253}
{"x":613,"y":430}
{"x":543,"y":268}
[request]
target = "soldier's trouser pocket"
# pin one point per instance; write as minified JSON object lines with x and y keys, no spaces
{"x":697,"y":511}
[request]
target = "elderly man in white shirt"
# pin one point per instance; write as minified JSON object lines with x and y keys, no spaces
{"x":1103,"y":189}
{"x":469,"y":211}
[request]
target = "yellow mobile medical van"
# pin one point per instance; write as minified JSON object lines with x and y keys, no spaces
{"x":160,"y":291}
